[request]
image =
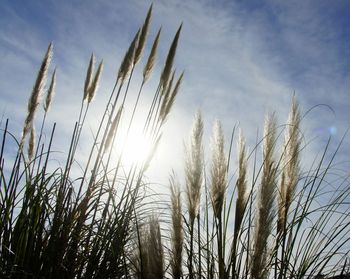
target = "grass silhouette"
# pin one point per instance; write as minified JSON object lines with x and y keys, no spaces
{"x":268,"y":220}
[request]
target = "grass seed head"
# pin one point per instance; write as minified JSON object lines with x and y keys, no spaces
{"x":290,"y":171}
{"x":218,"y":169}
{"x":95,"y":83}
{"x":143,"y":36}
{"x":170,"y":60}
{"x":128,"y":61}
{"x":177,"y":237}
{"x":50,"y":92}
{"x":88,"y":78}
{"x":31,"y":144}
{"x":34,"y":98}
{"x":194,"y":168}
{"x":151,"y":58}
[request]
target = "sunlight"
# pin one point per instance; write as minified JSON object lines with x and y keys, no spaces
{"x":136,"y":148}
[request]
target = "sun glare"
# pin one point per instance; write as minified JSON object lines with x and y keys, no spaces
{"x":136,"y":148}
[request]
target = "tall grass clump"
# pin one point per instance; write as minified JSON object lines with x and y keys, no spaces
{"x":56,"y":225}
{"x":268,"y":217}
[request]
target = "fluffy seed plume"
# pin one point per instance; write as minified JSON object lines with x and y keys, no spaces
{"x":50,"y":92}
{"x":143,"y":36}
{"x":177,"y":233}
{"x":88,"y":78}
{"x":290,"y":172}
{"x":194,"y":168}
{"x":128,"y":61}
{"x":113,"y":129}
{"x":31,"y":145}
{"x":170,"y":60}
{"x":151,"y":59}
{"x":170,"y":98}
{"x":165,"y":93}
{"x":34,"y":98}
{"x":241,"y":183}
{"x":218,"y":169}
{"x":265,"y":204}
{"x":95,"y":82}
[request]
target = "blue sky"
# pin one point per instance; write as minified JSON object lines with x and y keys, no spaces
{"x":241,"y":60}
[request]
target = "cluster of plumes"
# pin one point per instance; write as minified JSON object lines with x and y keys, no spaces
{"x":148,"y":258}
{"x":35,"y":99}
{"x":269,"y":189}
{"x":167,"y":88}
{"x":194,"y":167}
{"x":88,"y":219}
{"x":259,"y":254}
{"x":133,"y":54}
{"x":91,"y":80}
{"x":169,"y":96}
{"x":168,"y":91}
{"x":90,"y":88}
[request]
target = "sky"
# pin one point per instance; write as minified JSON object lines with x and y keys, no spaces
{"x":242,"y":59}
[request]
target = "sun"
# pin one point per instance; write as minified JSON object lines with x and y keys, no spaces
{"x":136,"y":148}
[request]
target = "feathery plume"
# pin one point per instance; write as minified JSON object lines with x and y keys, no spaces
{"x":241,"y":183}
{"x":95,"y":82}
{"x":265,"y":205}
{"x":34,"y":98}
{"x":194,"y":168}
{"x":113,"y":128}
{"x":152,"y":58}
{"x":177,"y":234}
{"x":167,"y":91}
{"x":169,"y":100}
{"x":128,"y":61}
{"x":218,"y":169}
{"x":88,"y":78}
{"x":170,"y":60}
{"x":50,"y":92}
{"x":31,"y":145}
{"x":290,"y":172}
{"x":143,"y":36}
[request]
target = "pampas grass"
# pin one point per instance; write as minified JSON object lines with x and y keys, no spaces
{"x":194,"y":178}
{"x":128,"y":61}
{"x":265,"y":203}
{"x":218,"y":173}
{"x":177,"y":237}
{"x":170,"y":60}
{"x":34,"y":99}
{"x":268,"y":218}
{"x":151,"y":59}
{"x":50,"y":92}
{"x":93,"y":85}
{"x":54,"y":224}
